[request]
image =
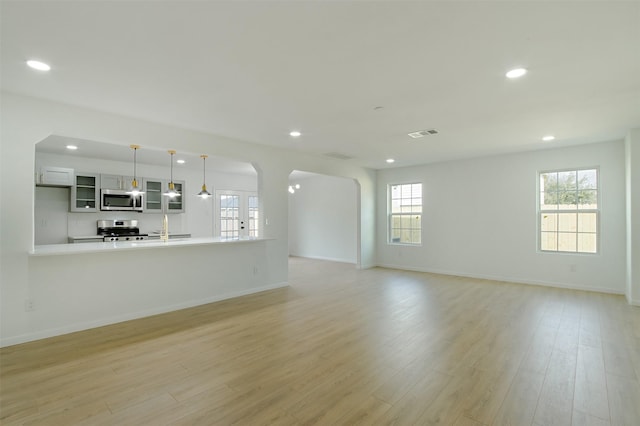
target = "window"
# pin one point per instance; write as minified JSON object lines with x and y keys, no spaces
{"x":405,"y":214}
{"x":568,"y":211}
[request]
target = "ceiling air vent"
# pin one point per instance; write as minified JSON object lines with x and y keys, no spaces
{"x":338,"y":155}
{"x":423,"y":133}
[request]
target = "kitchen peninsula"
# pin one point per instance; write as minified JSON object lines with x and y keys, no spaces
{"x":99,"y":247}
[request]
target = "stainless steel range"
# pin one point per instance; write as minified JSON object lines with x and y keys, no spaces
{"x":120,"y":230}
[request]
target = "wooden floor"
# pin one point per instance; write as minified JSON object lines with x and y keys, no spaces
{"x":342,"y":347}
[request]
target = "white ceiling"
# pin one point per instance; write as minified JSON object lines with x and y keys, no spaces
{"x":256,"y":70}
{"x":56,"y":144}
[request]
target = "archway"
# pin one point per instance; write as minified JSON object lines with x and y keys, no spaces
{"x":323,"y":217}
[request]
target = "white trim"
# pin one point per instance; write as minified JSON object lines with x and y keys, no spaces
{"x":504,"y":279}
{"x":630,"y":301}
{"x":330,"y":259}
{"x":43,"y":334}
{"x":367,"y":266}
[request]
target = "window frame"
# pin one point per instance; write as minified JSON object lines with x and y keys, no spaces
{"x":390,"y":215}
{"x":597,"y":211}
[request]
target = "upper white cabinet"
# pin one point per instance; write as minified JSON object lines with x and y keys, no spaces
{"x":55,"y":176}
{"x":176,"y":205}
{"x":115,"y":181}
{"x":155,"y":202}
{"x":85,"y":193}
{"x":153,"y":196}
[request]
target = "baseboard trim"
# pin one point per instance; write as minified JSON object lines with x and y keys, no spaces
{"x":505,"y":279}
{"x":632,"y":302}
{"x":329,"y":259}
{"x":44,"y":334}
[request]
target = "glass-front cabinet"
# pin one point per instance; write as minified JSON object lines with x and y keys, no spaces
{"x":176,"y":204}
{"x":155,"y":202}
{"x":153,"y":196}
{"x":85,"y":193}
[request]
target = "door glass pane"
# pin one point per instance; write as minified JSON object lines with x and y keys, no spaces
{"x":229,"y":216}
{"x":253,"y":215}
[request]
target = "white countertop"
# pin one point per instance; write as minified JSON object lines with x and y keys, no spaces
{"x":62,"y":249}
{"x":151,"y":234}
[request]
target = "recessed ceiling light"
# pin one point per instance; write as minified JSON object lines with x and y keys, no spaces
{"x":515,"y":73}
{"x":294,"y":133}
{"x":548,"y":138}
{"x":390,"y":160}
{"x":72,"y":147}
{"x":37,"y":65}
{"x":180,"y":161}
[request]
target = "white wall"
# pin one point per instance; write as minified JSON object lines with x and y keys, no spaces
{"x":197,"y":219}
{"x":632,"y":174}
{"x":323,"y":219}
{"x":51,"y":213}
{"x":480,"y":219}
{"x":74,"y":293}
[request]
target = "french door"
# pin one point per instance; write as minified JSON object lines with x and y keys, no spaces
{"x":237,"y":214}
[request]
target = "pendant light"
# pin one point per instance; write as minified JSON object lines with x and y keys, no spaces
{"x":134,"y":189}
{"x":171,"y":191}
{"x":204,"y":194}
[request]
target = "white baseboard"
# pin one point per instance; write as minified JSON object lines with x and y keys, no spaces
{"x":633,"y":302}
{"x":367,"y":266}
{"x":330,"y":259}
{"x":505,"y":279}
{"x":43,"y":334}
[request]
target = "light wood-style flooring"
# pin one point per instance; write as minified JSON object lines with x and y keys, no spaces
{"x":342,"y":346}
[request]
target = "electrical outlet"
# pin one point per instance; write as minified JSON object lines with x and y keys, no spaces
{"x":29,"y":305}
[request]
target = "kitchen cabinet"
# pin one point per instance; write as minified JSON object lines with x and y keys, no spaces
{"x":85,"y":193}
{"x":115,"y":181}
{"x":55,"y":176}
{"x":153,"y":195}
{"x":155,"y":202}
{"x":176,"y":205}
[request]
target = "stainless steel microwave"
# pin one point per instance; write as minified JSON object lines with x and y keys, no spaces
{"x":119,"y":200}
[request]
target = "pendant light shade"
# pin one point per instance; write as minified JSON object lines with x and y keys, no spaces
{"x":204,"y":194}
{"x":135,"y":188}
{"x":171,"y":190}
